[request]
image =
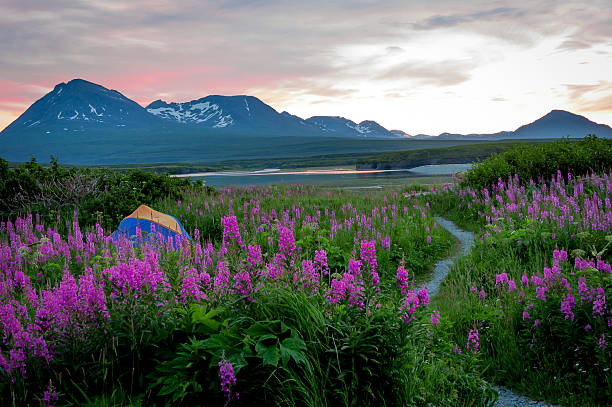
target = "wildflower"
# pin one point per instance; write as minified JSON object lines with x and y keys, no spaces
{"x":50,"y":395}
{"x":472,"y":342}
{"x":227,"y":378}
{"x":435,"y":317}
{"x":511,"y":286}
{"x":587,"y":327}
{"x":354,"y":267}
{"x":567,"y":305}
{"x":482,"y":295}
{"x":230,"y":230}
{"x":402,"y":278}
{"x":541,"y":292}
{"x":254,"y":256}
{"x":368,"y":254}
{"x":525,"y":315}
{"x":602,"y":342}
{"x":287,"y":241}
{"x":321,"y":261}
{"x":537,"y":323}
{"x":525,"y":281}
{"x":423,"y":295}
{"x":501,"y":279}
{"x":599,"y":305}
{"x":409,"y":306}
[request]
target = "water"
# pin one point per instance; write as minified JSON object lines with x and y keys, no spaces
{"x":441,"y":169}
{"x":336,"y":176}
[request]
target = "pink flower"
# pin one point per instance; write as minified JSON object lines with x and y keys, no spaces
{"x":435,"y":317}
{"x":472,"y":342}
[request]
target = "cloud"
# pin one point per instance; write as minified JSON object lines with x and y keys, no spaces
{"x":590,"y":97}
{"x":442,"y":73}
{"x":571,"y":45}
{"x":452,"y":20}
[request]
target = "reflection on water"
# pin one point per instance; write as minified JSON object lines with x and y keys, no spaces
{"x":337,"y":176}
{"x":292,"y":178}
{"x":441,"y":169}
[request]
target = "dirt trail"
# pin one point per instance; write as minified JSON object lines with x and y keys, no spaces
{"x":507,"y":398}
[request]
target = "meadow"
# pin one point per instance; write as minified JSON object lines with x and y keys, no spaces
{"x":537,"y":281}
{"x":286,"y":296}
{"x":303,"y":296}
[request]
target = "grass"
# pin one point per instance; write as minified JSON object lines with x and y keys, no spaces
{"x":561,"y":360}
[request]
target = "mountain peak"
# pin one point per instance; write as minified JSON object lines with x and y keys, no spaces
{"x":79,"y":105}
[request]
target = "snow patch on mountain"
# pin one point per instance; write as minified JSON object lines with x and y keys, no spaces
{"x":193,"y":112}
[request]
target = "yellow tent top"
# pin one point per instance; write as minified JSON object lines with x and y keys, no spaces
{"x":162,"y":219}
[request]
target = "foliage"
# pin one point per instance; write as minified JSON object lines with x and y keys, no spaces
{"x":536,"y":283}
{"x":541,"y":161}
{"x":97,"y":195}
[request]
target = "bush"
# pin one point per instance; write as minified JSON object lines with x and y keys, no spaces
{"x":98,"y":195}
{"x":542,"y":161}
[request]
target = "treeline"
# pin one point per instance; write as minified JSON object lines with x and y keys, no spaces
{"x":446,"y":155}
{"x":96,"y":194}
{"x":541,"y":161}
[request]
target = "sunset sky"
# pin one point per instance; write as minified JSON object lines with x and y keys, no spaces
{"x":419,"y":66}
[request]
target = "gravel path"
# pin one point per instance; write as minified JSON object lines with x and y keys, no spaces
{"x":507,"y":398}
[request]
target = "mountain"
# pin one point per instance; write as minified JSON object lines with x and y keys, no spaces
{"x":80,"y":122}
{"x":80,"y":105}
{"x":336,"y":125}
{"x":555,"y":124}
{"x":564,"y":124}
{"x":249,"y":114}
{"x":243,"y":113}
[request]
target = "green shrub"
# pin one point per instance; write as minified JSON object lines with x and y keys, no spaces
{"x":541,"y":161}
{"x":98,"y":195}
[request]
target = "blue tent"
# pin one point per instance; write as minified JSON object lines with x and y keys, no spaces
{"x":147,"y":220}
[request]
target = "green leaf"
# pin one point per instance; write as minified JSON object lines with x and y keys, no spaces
{"x":268,"y":353}
{"x":293,"y":348}
{"x":206,"y":319}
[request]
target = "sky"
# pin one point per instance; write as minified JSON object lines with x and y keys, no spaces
{"x":424,"y":67}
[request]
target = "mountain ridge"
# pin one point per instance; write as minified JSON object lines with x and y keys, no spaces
{"x":80,"y":121}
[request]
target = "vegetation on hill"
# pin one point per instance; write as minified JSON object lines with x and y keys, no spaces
{"x":97,"y":195}
{"x":538,"y":162}
{"x":446,"y":155}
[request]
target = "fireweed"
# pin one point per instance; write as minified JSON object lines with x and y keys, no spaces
{"x":557,"y":312}
{"x":58,"y":293}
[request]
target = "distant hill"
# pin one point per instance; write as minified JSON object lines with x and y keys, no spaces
{"x":555,"y":124}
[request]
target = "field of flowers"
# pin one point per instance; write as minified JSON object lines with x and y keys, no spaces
{"x":536,"y":283}
{"x":285,"y":296}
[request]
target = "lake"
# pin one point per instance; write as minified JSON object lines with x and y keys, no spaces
{"x":342,"y":177}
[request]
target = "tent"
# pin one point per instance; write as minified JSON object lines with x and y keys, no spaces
{"x":149,"y":220}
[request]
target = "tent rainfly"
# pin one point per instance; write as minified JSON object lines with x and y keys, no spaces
{"x":148,"y":221}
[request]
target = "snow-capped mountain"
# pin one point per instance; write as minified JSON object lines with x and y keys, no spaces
{"x":80,"y":105}
{"x":336,"y":125}
{"x":235,"y":113}
{"x":193,"y":112}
